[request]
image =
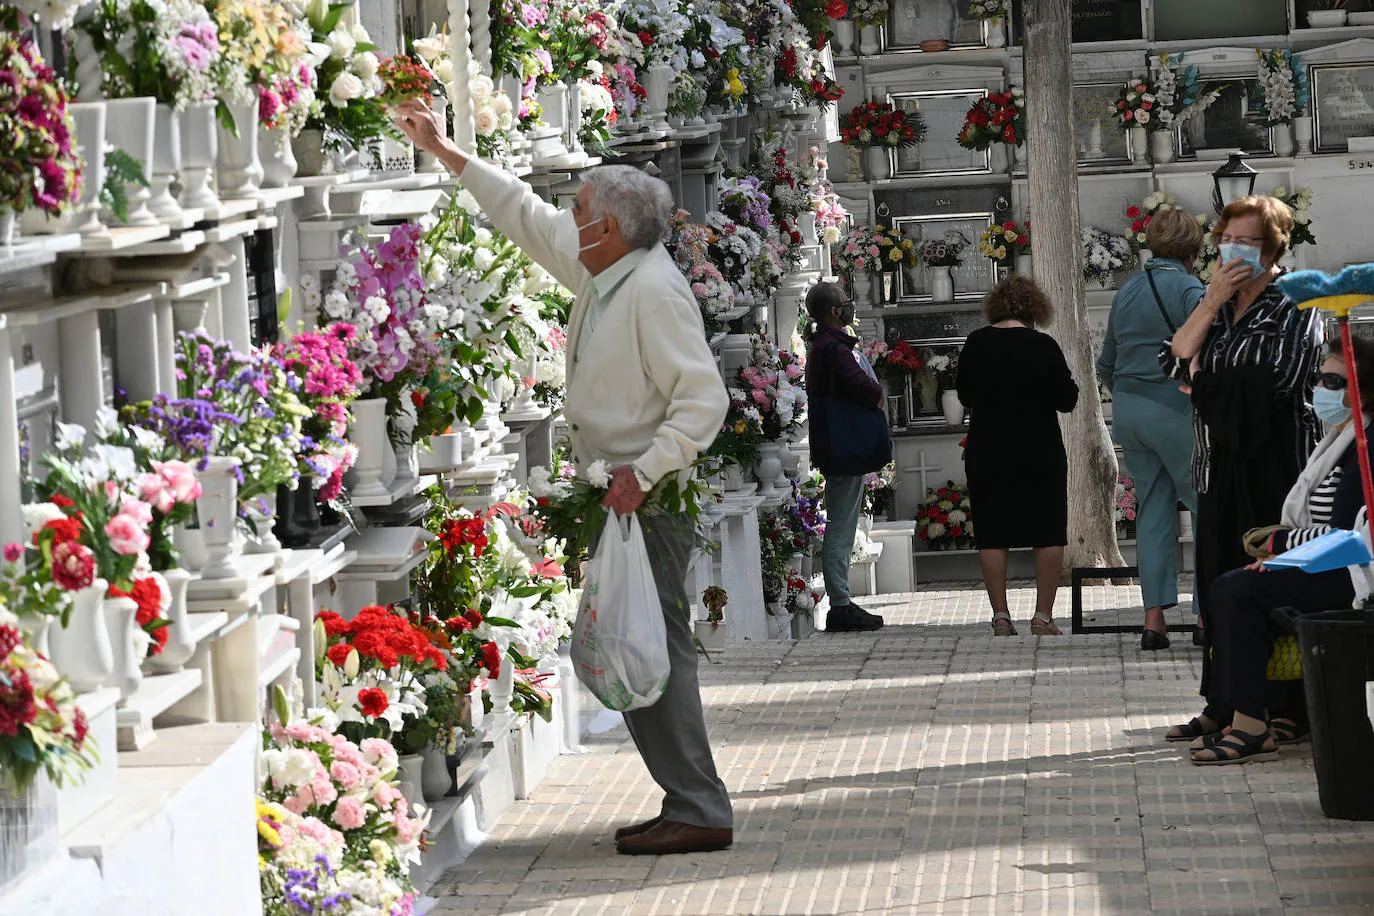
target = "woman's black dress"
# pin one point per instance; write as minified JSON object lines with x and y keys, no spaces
{"x":1014,"y":381}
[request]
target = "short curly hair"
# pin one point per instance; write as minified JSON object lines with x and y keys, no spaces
{"x":1018,"y":298}
{"x":1275,"y":216}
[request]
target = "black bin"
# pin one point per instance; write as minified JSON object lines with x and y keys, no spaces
{"x":1337,"y":660}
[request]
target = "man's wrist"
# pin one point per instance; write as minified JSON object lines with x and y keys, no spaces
{"x":645,"y":484}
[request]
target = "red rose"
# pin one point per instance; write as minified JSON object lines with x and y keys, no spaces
{"x":1138,"y":226}
{"x":457,"y":625}
{"x":373,"y":701}
{"x":837,"y":9}
{"x":73,"y":565}
{"x":1133,"y":212}
{"x":338,"y":653}
{"x":645,"y":38}
{"x":491,"y":659}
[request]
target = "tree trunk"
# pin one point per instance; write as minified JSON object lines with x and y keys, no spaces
{"x":1053,"y":180}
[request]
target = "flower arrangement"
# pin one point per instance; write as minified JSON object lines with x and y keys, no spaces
{"x":41,"y":726}
{"x":743,"y":200}
{"x":286,"y":98}
{"x":660,"y":28}
{"x":256,"y":39}
{"x":168,"y":49}
{"x":53,"y":14}
{"x":1104,"y":253}
{"x":1003,"y":240}
{"x":39,"y":166}
{"x":734,"y":249}
{"x":741,"y":433}
{"x":946,"y":369}
{"x":879,"y":124}
{"x":326,"y":383}
{"x":1178,"y":94}
{"x":944,"y":252}
{"x":1125,"y":505}
{"x":801,"y":597}
{"x":599,"y":116}
{"x":1284,"y":86}
{"x":874,"y":250}
{"x":945,"y":518}
{"x":350,"y":77}
{"x":404,"y":79}
{"x":999,"y":117}
{"x":773,"y":383}
{"x":1136,"y":105}
{"x":879,"y":488}
{"x":1139,"y":216}
{"x":897,"y":361}
{"x":868,"y":12}
{"x":989,"y":10}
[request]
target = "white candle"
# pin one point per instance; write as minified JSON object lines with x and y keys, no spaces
{"x":464,"y":134}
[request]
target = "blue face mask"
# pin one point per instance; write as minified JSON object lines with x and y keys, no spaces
{"x":1330,"y":406}
{"x":1251,"y":253}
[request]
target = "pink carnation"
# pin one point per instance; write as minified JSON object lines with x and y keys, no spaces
{"x":345,"y":774}
{"x":127,"y":536}
{"x":348,"y":814}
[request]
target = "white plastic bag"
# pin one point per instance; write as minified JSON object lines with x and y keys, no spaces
{"x":620,"y":642}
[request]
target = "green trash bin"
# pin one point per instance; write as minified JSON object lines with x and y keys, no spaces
{"x":1337,"y":660}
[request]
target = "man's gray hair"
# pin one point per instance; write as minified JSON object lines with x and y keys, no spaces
{"x":641,"y":204}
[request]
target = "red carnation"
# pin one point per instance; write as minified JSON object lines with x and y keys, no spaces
{"x":645,"y":38}
{"x":491,"y":659}
{"x":73,"y":566}
{"x":472,"y":617}
{"x":373,"y":701}
{"x":338,"y":653}
{"x":1133,"y":212}
{"x":16,"y":704}
{"x":63,"y":530}
{"x":334,"y":625}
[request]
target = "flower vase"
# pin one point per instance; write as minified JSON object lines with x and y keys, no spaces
{"x":779,"y":450}
{"x":262,"y":513}
{"x":951,"y":406}
{"x":308,"y":149}
{"x":435,"y":779}
{"x":553,"y":105}
{"x":407,"y":460}
{"x":941,"y":284}
{"x":660,"y":81}
{"x":130,"y":126}
{"x":997,"y":32}
{"x":81,"y":650}
{"x":410,"y":773}
{"x":1025,"y":265}
{"x":1018,"y":153}
{"x":370,"y":436}
{"x":806,"y":225}
{"x":733,"y":476}
{"x":767,"y":471}
{"x":711,"y":636}
{"x":166,"y":162}
{"x":216,"y":512}
{"x":502,"y":687}
{"x":889,"y":288}
{"x":7,"y":224}
{"x":240,"y":170}
{"x":868,"y":40}
{"x":1140,"y":145}
{"x":128,"y":645}
{"x":89,"y":120}
{"x":1302,"y":135}
{"x":1284,"y":145}
{"x":473,"y":710}
{"x":877,"y":163}
{"x":30,"y":835}
{"x":861,"y":286}
{"x":1163,"y":147}
{"x":179,"y":647}
{"x":998,"y":161}
{"x":189,"y":314}
{"x":842,"y":43}
{"x":199,"y":151}
{"x":279,"y":164}
{"x":428,"y":162}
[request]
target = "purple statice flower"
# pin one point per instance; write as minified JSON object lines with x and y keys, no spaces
{"x":188,"y":424}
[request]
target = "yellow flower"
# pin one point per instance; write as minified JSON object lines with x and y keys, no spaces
{"x":741,"y":427}
{"x":1010,"y":235}
{"x":381,"y":853}
{"x":895,"y":254}
{"x":1001,"y":253}
{"x":733,"y":86}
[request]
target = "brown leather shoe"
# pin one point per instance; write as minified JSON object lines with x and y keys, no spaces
{"x":633,"y":829}
{"x":669,"y":837}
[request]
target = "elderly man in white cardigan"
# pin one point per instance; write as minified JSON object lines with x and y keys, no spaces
{"x":645,"y":396}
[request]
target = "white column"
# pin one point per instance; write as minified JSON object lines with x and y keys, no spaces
{"x":166,"y":346}
{"x":79,"y":379}
{"x":233,"y":302}
{"x":481,"y":36}
{"x":11,"y":522}
{"x":137,"y":360}
{"x":464,"y":134}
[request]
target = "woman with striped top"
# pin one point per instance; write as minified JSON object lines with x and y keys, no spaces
{"x":1328,"y":495}
{"x":1253,"y":354}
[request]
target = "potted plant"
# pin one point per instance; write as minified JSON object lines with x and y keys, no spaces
{"x":711,"y":632}
{"x":879,"y":129}
{"x":940,"y":256}
{"x":995,"y":122}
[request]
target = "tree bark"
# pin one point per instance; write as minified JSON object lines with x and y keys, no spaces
{"x":1053,"y":180}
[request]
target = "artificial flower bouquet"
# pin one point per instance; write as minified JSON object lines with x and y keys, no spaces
{"x":1139,"y":216}
{"x":879,"y":124}
{"x":41,"y":726}
{"x":946,"y":369}
{"x":1137,"y":104}
{"x":1104,"y":254}
{"x":868,"y":12}
{"x":774,"y":383}
{"x":879,"y":488}
{"x":990,"y":10}
{"x":404,"y":79}
{"x":257,"y":41}
{"x":326,"y":384}
{"x":945,"y":518}
{"x":741,"y":433}
{"x":1005,"y":240}
{"x":166,"y":49}
{"x":660,"y":28}
{"x":874,"y":250}
{"x":597,"y":127}
{"x":1125,"y":505}
{"x":689,"y":244}
{"x":349,"y":76}
{"x":1178,"y":92}
{"x":801,"y":597}
{"x":1285,"y":90}
{"x":944,"y":252}
{"x":999,"y":117}
{"x":744,"y":201}
{"x":1299,"y":201}
{"x":898,"y":361}
{"x":39,"y":164}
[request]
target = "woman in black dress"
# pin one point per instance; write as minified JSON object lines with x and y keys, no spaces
{"x":1014,"y":381}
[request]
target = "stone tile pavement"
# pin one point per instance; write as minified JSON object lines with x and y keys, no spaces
{"x":931,"y":769}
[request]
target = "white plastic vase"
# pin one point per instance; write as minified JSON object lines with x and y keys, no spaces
{"x":166,"y":162}
{"x":1163,"y":147}
{"x":179,"y":647}
{"x":1140,"y":143}
{"x":428,"y":162}
{"x":843,"y":42}
{"x":238,"y":165}
{"x":1284,"y":145}
{"x":952,"y":408}
{"x":264,"y":517}
{"x":81,"y":650}
{"x":806,"y":225}
{"x":435,"y":780}
{"x":660,"y":81}
{"x":941,"y":284}
{"x":1302,"y":134}
{"x":370,"y":436}
{"x":997,"y":33}
{"x":868,"y":41}
{"x":877,"y":163}
{"x":130,"y":127}
{"x":997,"y":159}
{"x":307,"y":148}
{"x":502,"y":688}
{"x":217,"y":512}
{"x":553,"y":104}
{"x":89,"y":120}
{"x":1025,"y":265}
{"x":768,"y":470}
{"x":128,"y":645}
{"x":278,"y":158}
{"x":199,"y":150}
{"x":410,"y":774}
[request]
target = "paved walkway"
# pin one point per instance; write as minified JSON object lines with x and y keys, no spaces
{"x":930,"y":769}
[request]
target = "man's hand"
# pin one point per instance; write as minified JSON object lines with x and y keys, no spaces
{"x":426,"y":131}
{"x":624,"y":496}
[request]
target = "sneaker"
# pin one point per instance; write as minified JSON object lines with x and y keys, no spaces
{"x":844,"y":620}
{"x":863,"y":613}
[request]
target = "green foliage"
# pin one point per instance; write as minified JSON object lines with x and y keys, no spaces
{"x":120,"y":169}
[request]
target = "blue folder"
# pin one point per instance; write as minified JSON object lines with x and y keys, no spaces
{"x":1333,"y":550}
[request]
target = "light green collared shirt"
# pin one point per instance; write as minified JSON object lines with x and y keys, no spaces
{"x":604,"y":286}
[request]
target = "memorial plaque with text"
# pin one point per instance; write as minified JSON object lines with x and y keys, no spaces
{"x":1098,"y":20}
{"x":1101,"y":141}
{"x":911,"y":22}
{"x":1343,"y":99}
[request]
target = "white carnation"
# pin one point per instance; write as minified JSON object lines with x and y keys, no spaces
{"x":365,"y":65}
{"x":598,"y":475}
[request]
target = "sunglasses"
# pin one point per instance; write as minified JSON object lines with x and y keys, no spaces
{"x":1332,"y":381}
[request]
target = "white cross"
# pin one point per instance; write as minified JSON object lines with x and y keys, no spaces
{"x":924,"y":470}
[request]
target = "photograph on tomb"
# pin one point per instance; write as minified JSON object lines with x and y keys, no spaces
{"x":1232,"y":122}
{"x":1343,"y":99}
{"x":973,"y":276}
{"x":940,"y":364}
{"x":1100,"y":140}
{"x":940,"y":152}
{"x":911,"y":22}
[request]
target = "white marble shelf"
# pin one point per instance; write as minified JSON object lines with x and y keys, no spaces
{"x":181,"y":243}
{"x":232,"y":229}
{"x":236,"y":593}
{"x":155,"y":695}
{"x":229,"y":209}
{"x":184,"y":219}
{"x":904,"y":182}
{"x":271,"y":627}
{"x":198,"y":286}
{"x":109,"y":297}
{"x":35,"y":251}
{"x":398,"y":489}
{"x":269,"y":198}
{"x":278,"y":665}
{"x":526,"y":419}
{"x":118,"y":238}
{"x":358,"y":572}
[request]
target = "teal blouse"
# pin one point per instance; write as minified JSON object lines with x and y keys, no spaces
{"x":1135,"y":330}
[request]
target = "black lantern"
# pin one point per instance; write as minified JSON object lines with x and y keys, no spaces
{"x":1232,"y":181}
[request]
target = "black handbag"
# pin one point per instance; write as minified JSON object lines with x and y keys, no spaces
{"x":848,"y":439}
{"x":1175,"y":368}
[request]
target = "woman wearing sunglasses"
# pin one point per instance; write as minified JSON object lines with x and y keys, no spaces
{"x":1327,"y":496}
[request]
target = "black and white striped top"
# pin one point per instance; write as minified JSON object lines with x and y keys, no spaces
{"x":1272,"y":332}
{"x":1322,"y":505}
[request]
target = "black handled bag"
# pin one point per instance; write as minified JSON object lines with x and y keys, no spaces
{"x":848,"y":439}
{"x":1175,"y":368}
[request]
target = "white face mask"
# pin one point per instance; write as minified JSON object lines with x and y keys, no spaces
{"x":569,"y":236}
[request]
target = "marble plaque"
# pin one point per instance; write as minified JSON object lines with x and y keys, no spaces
{"x":1231,"y":122}
{"x":943,"y":113}
{"x":1343,"y":98}
{"x":1098,"y":20}
{"x":1100,"y":140}
{"x":911,"y":22}
{"x":973,"y":276}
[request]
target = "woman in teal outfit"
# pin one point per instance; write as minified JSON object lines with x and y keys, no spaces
{"x":1152,"y":420}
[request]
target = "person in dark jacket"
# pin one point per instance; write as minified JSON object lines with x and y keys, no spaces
{"x":1015,"y":381}
{"x":833,"y":369}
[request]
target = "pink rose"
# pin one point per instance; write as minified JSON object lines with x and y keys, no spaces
{"x":874,"y":251}
{"x":860,"y":263}
{"x":181,"y":480}
{"x":761,"y":398}
{"x":348,"y":814}
{"x":137,"y":510}
{"x":127,"y":536}
{"x":154,"y":490}
{"x":13,"y":552}
{"x":345,"y":774}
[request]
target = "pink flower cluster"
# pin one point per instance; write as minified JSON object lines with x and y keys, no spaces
{"x":39,"y":165}
{"x":128,"y":529}
{"x":170,"y":484}
{"x":285,"y":100}
{"x":327,"y":383}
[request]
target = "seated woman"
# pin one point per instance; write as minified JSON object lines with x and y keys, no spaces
{"x":1327,"y":496}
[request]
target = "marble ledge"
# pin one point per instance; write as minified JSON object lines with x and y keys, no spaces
{"x":32,"y":313}
{"x":941,"y":430}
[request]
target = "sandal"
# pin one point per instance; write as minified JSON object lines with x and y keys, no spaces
{"x":1044,"y":626}
{"x":1289,"y":731}
{"x":1237,"y":747}
{"x":1002,"y":625}
{"x":1192,"y":730}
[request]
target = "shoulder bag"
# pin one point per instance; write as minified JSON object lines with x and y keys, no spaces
{"x":1175,"y":367}
{"x":848,"y":439}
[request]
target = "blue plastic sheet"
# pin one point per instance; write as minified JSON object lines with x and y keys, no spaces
{"x":1333,"y":550}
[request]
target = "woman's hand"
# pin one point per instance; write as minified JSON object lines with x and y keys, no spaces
{"x":1226,"y":279}
{"x":1194,"y":367}
{"x":424,"y":128}
{"x":1257,"y":566}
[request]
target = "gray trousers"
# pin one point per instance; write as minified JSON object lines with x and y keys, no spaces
{"x":671,"y":734}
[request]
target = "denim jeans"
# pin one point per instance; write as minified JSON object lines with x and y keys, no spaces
{"x":844,"y":498}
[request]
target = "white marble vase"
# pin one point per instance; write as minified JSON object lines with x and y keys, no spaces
{"x":81,"y":650}
{"x":130,"y":126}
{"x":199,"y":150}
{"x":370,"y":435}
{"x":166,"y":162}
{"x":239,"y":168}
{"x":179,"y":647}
{"x":128,"y":645}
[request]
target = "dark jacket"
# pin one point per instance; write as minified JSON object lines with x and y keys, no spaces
{"x":832,"y":369}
